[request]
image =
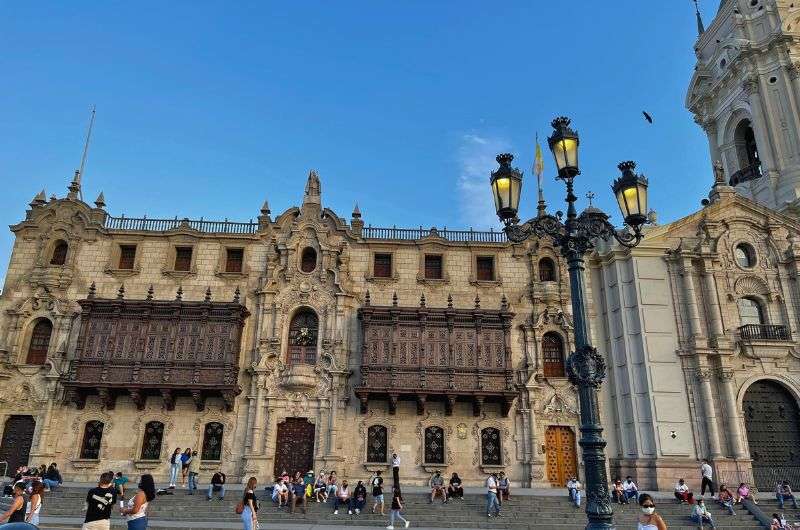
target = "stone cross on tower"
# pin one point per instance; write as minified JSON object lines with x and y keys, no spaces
{"x":313,"y":194}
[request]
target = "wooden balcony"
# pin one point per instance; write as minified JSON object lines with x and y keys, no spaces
{"x":160,"y":348}
{"x":436,"y":354}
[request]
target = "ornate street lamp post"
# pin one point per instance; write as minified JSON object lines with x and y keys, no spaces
{"x":575,"y":236}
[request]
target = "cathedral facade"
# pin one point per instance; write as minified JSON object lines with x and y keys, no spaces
{"x":313,"y":341}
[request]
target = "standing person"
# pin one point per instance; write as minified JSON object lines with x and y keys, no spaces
{"x":35,"y":503}
{"x":174,"y":467}
{"x":649,"y":519}
{"x":52,"y":478}
{"x":194,"y":471}
{"x":186,"y":457}
{"x":217,"y":485}
{"x":395,"y":471}
{"x":706,"y":478}
{"x":454,"y":488}
{"x":492,"y":504}
{"x":701,"y":515}
{"x":377,"y":491}
{"x":342,"y":498}
{"x":135,"y":511}
{"x":250,"y":505}
{"x":16,"y":511}
{"x":437,"y":487}
{"x":783,"y":492}
{"x":631,"y":491}
{"x":99,"y":502}
{"x":574,"y":490}
{"x":397,"y":507}
{"x":503,"y":488}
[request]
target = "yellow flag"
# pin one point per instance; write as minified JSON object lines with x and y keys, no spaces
{"x":538,"y":162}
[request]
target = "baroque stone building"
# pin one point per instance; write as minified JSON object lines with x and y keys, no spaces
{"x":310,"y":341}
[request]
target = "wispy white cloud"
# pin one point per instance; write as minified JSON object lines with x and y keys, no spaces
{"x":476,"y":158}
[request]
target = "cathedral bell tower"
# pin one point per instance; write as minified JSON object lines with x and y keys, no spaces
{"x":745,"y":94}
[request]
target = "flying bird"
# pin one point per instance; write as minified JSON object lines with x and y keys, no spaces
{"x":647,"y":117}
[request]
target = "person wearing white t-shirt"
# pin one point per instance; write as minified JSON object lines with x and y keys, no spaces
{"x":630,"y":489}
{"x":492,"y":503}
{"x":574,"y":489}
{"x":707,"y":478}
{"x":395,"y":471}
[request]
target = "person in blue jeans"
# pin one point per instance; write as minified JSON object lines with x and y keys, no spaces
{"x":701,"y":515}
{"x":492,"y":502}
{"x":250,"y":503}
{"x":52,"y":478}
{"x":783,"y":492}
{"x":175,"y":466}
{"x":574,"y":490}
{"x":217,"y":485}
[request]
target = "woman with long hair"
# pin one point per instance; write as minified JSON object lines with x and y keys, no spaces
{"x":649,"y":519}
{"x":250,"y":504}
{"x":396,"y":508}
{"x":135,"y":511}
{"x":186,"y":457}
{"x":175,"y":465}
{"x":35,"y":503}
{"x":16,"y":511}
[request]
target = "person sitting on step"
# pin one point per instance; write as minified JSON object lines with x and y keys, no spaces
{"x":631,"y":491}
{"x":779,"y":522}
{"x":280,"y":493}
{"x":743,"y":493}
{"x":503,"y":487}
{"x":359,"y":498}
{"x":700,"y":515}
{"x":618,"y":492}
{"x":321,"y":488}
{"x":342,"y":499}
{"x":725,"y":499}
{"x":217,"y":485}
{"x":298,"y":494}
{"x":454,"y":488}
{"x":574,"y":490}
{"x":332,"y":485}
{"x":682,"y":493}
{"x":783,"y":492}
{"x":436,"y":483}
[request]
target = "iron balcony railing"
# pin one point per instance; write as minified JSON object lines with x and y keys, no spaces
{"x":764,"y":332}
{"x":232,"y":227}
{"x":372,"y":232}
{"x":745,"y":174}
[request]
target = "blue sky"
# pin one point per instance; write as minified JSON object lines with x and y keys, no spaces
{"x":208,"y":108}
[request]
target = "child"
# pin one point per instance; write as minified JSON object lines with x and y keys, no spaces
{"x":119,"y":483}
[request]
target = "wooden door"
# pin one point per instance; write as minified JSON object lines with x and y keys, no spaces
{"x":17,"y":440}
{"x":294,"y":448}
{"x":560,"y":452}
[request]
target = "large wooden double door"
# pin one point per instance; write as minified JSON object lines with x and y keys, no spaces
{"x":294,"y":447}
{"x":560,"y":452}
{"x":17,"y":440}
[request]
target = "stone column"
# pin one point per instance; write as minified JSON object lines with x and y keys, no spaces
{"x":761,"y":130}
{"x":714,"y":313}
{"x":257,"y":431}
{"x":734,"y":416}
{"x":690,"y":299}
{"x":712,"y":429}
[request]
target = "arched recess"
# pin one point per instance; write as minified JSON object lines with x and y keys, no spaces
{"x":58,"y":255}
{"x":39,"y":341}
{"x":303,"y":337}
{"x":553,"y":355}
{"x":772,"y":424}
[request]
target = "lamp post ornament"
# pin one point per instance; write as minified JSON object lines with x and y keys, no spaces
{"x":575,"y":236}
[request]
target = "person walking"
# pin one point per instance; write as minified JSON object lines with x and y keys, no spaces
{"x":16,"y":511}
{"x":649,"y":519}
{"x":35,"y":503}
{"x":174,"y":467}
{"x":194,"y":471}
{"x":396,"y":508}
{"x":377,"y":491}
{"x":250,"y":505}
{"x":395,"y":471}
{"x":135,"y":511}
{"x":706,"y":478}
{"x":99,"y":502}
{"x":492,"y":504}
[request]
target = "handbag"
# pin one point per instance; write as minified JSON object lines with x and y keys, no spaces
{"x":239,"y":508}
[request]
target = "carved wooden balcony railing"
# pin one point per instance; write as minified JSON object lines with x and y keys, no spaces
{"x":442,"y":354}
{"x":156,"y":348}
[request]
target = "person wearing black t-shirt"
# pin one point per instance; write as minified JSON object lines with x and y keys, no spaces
{"x":377,"y":491}
{"x":250,"y":505}
{"x":217,"y":485}
{"x":99,"y":502}
{"x":397,"y":506}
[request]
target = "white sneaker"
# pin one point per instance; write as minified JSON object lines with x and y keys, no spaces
{"x":335,"y":512}
{"x":408,"y":523}
{"x":358,"y":512}
{"x":349,"y":512}
{"x":390,"y":527}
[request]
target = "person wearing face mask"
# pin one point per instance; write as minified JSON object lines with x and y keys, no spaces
{"x":701,"y":515}
{"x":649,"y":519}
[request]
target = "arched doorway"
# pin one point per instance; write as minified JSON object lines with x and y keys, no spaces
{"x":560,"y":455}
{"x":772,"y":419}
{"x":17,"y":440}
{"x":294,"y":446}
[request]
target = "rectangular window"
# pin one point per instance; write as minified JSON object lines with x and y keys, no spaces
{"x":183,"y":258}
{"x":233,"y":262}
{"x":127,"y":253}
{"x":382,"y":266}
{"x":433,"y":267}
{"x":485,"y":268}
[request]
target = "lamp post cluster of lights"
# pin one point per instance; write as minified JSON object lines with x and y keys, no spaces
{"x":575,"y":236}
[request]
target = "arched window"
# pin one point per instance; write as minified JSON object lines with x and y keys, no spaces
{"x":212,"y":441}
{"x":547,"y":270}
{"x":308,"y":260}
{"x":434,"y":445}
{"x":553,"y":354}
{"x":151,"y":443}
{"x":750,"y":312}
{"x":490,"y":447}
{"x":92,"y":436}
{"x":377,"y":443}
{"x":746,"y":153}
{"x":745,"y":255}
{"x":303,"y":332}
{"x":59,"y":256}
{"x":40,"y":342}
